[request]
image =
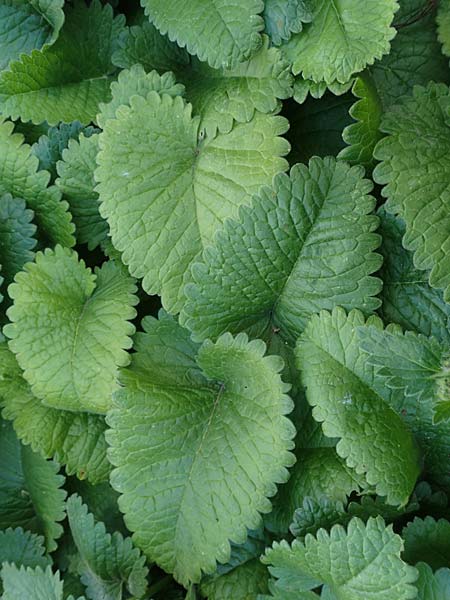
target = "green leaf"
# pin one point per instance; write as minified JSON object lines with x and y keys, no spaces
{"x":315,"y":514}
{"x":77,"y":184}
{"x":30,"y":494}
{"x":306,"y":87}
{"x":427,"y":540}
{"x":192,"y":412}
{"x":49,"y":148}
{"x":108,"y":563}
{"x":362,"y":136}
{"x":373,"y":438}
{"x":356,"y":563}
{"x":77,"y":440}
{"x":342,"y":39}
{"x":273,"y":257}
{"x":443,"y":22}
{"x":102,"y":501}
{"x":70,"y":329}
{"x":66,"y":81}
{"x":23,"y":548}
{"x":144,"y":45}
{"x":222,"y":34}
{"x":282,"y":18}
{"x":179,"y":188}
{"x":415,"y":170}
{"x":19,"y":177}
{"x":222,"y":96}
{"x":16,"y":236}
{"x":25,"y":26}
{"x":32,"y":584}
{"x":407,"y":297}
{"x":432,"y":586}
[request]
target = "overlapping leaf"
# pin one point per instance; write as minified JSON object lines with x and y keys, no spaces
{"x":427,"y":540}
{"x":432,"y":586}
{"x":282,"y":19}
{"x":23,"y":548}
{"x":70,"y":329}
{"x":32,"y":584}
{"x":179,"y":438}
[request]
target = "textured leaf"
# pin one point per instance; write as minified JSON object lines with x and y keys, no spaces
{"x":179,"y":188}
{"x":76,"y":182}
{"x":49,"y":148}
{"x":363,"y":135}
{"x":144,"y":45}
{"x":415,"y":169}
{"x":179,"y":440}
{"x":432,"y":586}
{"x":25,"y":26}
{"x":70,"y":329}
{"x":427,"y":540}
{"x":220,"y":32}
{"x":283,"y":18}
{"x":32,"y":584}
{"x":358,"y":563}
{"x":76,"y":440}
{"x":407,"y":297}
{"x":273,"y":258}
{"x":373,"y":438}
{"x":102,"y":502}
{"x":342,"y":39}
{"x":220,"y":96}
{"x":306,"y":87}
{"x":19,"y":177}
{"x":109,"y":563}
{"x":443,"y":21}
{"x":66,"y":81}
{"x":23,"y":548}
{"x":16,"y":236}
{"x":314,"y":514}
{"x":30,"y":494}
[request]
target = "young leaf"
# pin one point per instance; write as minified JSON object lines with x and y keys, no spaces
{"x":70,"y":329}
{"x":32,"y":584}
{"x":415,"y":169}
{"x":432,"y":586}
{"x":179,"y":188}
{"x":108,"y":563}
{"x":273,"y":257}
{"x":342,"y":39}
{"x":373,"y":438}
{"x":74,"y":439}
{"x":356,"y":563}
{"x":407,"y":297}
{"x":221,"y":33}
{"x":23,"y":548}
{"x":427,"y":540}
{"x":25,"y":26}
{"x":180,"y":435}
{"x":66,"y":81}
{"x":282,"y":18}
{"x":76,"y":182}
{"x":30,"y":494}
{"x":19,"y":177}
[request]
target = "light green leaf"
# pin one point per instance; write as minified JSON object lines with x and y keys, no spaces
{"x":179,"y":188}
{"x":356,"y":563}
{"x":77,"y":440}
{"x":179,"y":440}
{"x":16,"y":236}
{"x":29,"y":25}
{"x":70,"y":329}
{"x":315,"y":514}
{"x":362,"y":136}
{"x":30,"y":494}
{"x":342,"y":39}
{"x":443,"y":22}
{"x":19,"y":177}
{"x":432,"y":586}
{"x":407,"y":297}
{"x":23,"y":548}
{"x":66,"y":81}
{"x":306,"y":87}
{"x":283,"y":18}
{"x":222,"y":96}
{"x":32,"y":584}
{"x":49,"y":148}
{"x":109,"y":564}
{"x":373,"y":438}
{"x":427,"y":540}
{"x":76,"y":182}
{"x":415,"y":169}
{"x":221,"y":33}
{"x":273,"y":257}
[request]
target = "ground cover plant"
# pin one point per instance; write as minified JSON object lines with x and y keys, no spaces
{"x":225,"y":299}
